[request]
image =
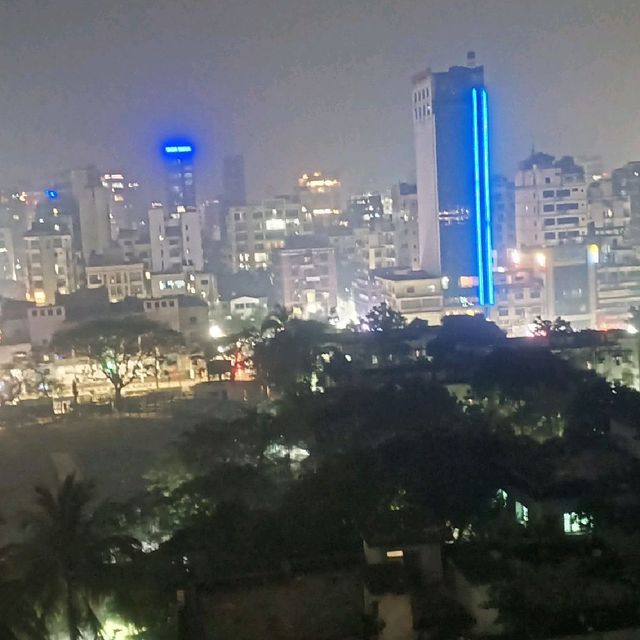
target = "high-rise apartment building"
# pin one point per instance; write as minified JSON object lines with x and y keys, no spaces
{"x":176,"y":240}
{"x":233,"y":181}
{"x":365,"y":208}
{"x":50,"y":264}
{"x":305,"y":276}
{"x":503,"y":218}
{"x":181,"y":186}
{"x":451,"y":133}
{"x":122,"y":205}
{"x":551,"y":202}
{"x":255,"y":231}
{"x":404,"y":199}
{"x":93,"y":221}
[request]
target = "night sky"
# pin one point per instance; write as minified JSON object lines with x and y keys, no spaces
{"x":304,"y":84}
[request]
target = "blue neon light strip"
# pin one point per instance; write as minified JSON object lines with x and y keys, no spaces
{"x":488,"y":244}
{"x":178,"y":149}
{"x":478,"y":212}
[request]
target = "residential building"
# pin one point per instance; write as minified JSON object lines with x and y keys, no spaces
{"x":176,"y":240}
{"x":305,"y":276}
{"x":43,"y":322}
{"x":122,"y":280}
{"x":414,"y":294}
{"x":181,"y":186}
{"x":626,"y":184}
{"x":50,"y":264}
{"x":14,"y":327}
{"x":504,"y":218}
{"x":521,"y":297}
{"x":256,"y":231}
{"x":135,"y":246}
{"x":7,"y":254}
{"x":551,"y":202}
{"x":247,"y":307}
{"x":202,"y":285}
{"x":123,"y":212}
{"x":404,"y":198}
{"x":364,"y":208}
{"x":184,"y":313}
{"x":451,"y":135}
{"x":93,"y":202}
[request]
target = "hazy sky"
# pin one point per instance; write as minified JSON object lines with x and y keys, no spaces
{"x":304,"y":84}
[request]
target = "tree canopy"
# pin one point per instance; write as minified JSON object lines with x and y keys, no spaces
{"x":120,"y":349}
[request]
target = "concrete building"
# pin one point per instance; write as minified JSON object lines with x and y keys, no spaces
{"x":305,"y":276}
{"x":256,"y":231}
{"x":180,"y":178}
{"x":121,"y":280}
{"x":626,"y":184}
{"x":520,"y":297}
{"x":320,"y":194}
{"x":43,"y":322}
{"x":183,"y":282}
{"x":50,"y":264}
{"x":363,"y":208}
{"x":7,"y":254}
{"x":504,"y":218}
{"x":404,"y":199}
{"x":176,"y":240}
{"x":93,"y":211}
{"x":415,"y":294}
{"x":551,"y":202}
{"x":123,"y":212}
{"x":187,"y":314}
{"x":450,"y":122}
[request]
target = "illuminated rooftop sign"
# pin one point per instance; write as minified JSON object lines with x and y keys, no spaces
{"x":184,"y":148}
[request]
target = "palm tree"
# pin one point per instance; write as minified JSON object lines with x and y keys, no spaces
{"x":19,"y":619}
{"x":66,"y":559}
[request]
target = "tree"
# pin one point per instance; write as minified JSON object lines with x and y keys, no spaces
{"x":66,"y":558}
{"x":119,"y":349}
{"x":547,"y":327}
{"x":19,"y":618}
{"x":384,"y":318}
{"x":289,"y":355}
{"x":275,"y":321}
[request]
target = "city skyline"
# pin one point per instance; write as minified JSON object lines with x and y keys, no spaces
{"x":304,"y":86}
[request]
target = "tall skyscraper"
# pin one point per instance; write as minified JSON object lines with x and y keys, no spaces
{"x":181,"y":187}
{"x":451,"y":133}
{"x":233,"y":181}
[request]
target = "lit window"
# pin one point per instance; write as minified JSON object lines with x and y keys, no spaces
{"x":522,"y":514}
{"x":577,"y":523}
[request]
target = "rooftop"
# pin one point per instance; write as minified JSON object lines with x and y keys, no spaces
{"x":398,"y":275}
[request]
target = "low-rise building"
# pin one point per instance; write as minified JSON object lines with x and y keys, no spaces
{"x":121,"y":280}
{"x":43,"y":322}
{"x":184,"y":282}
{"x":188,"y":315}
{"x":414,"y":294}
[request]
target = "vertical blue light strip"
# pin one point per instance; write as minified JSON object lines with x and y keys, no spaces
{"x":488,"y":244}
{"x":477,"y":187}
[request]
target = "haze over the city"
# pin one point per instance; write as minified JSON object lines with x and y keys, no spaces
{"x":299,"y":85}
